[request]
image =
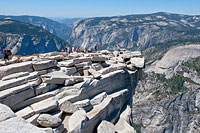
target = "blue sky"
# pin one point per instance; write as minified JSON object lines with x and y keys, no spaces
{"x":96,"y":8}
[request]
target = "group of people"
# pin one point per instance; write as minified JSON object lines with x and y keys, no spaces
{"x":73,"y":49}
{"x":7,"y":53}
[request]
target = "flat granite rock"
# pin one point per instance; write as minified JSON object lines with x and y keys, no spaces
{"x":18,"y":125}
{"x":41,"y":65}
{"x":5,"y":113}
{"x":15,"y":68}
{"x":44,"y":106}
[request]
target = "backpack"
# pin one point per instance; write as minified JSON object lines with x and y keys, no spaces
{"x":9,"y":52}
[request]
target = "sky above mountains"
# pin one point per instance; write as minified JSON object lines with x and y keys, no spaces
{"x":96,"y":8}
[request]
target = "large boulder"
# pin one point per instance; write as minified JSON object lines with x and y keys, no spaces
{"x":77,"y":122}
{"x":5,"y":112}
{"x":47,"y":120}
{"x":57,"y":77}
{"x":106,"y":127}
{"x":97,"y":114}
{"x":94,"y":73}
{"x":138,"y":62}
{"x":123,"y":127}
{"x":85,"y":104}
{"x":68,"y":70}
{"x":68,"y":107}
{"x":108,"y":109}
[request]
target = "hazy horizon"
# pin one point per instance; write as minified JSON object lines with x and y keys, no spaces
{"x":96,"y":8}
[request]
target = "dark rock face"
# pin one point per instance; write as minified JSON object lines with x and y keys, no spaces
{"x":133,"y":31}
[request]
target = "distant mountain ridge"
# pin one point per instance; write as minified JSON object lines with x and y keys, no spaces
{"x":23,"y":38}
{"x":68,"y":21}
{"x":134,"y":31}
{"x":59,"y":29}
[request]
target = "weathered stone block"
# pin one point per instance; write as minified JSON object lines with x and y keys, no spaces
{"x":94,"y":73}
{"x":41,"y":65}
{"x":97,"y":66}
{"x":25,"y":113}
{"x":98,"y":98}
{"x":47,"y":120}
{"x":77,"y":122}
{"x":106,"y":127}
{"x":69,"y":71}
{"x":15,"y":75}
{"x":44,"y":106}
{"x":98,"y":59}
{"x":15,"y":68}
{"x":15,"y":82}
{"x":138,"y":62}
{"x":16,"y":124}
{"x":68,"y":107}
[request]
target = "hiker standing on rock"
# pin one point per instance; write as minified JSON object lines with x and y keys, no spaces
{"x":7,"y":53}
{"x":66,"y":49}
{"x":72,"y":49}
{"x":95,"y":48}
{"x":76,"y":50}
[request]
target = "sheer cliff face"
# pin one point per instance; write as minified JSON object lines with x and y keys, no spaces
{"x":133,"y":31}
{"x":167,"y":98}
{"x":24,"y":38}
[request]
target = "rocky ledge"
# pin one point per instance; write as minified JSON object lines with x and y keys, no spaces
{"x":77,"y":92}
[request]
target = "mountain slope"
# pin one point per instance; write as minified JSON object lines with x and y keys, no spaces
{"x":61,"y":30}
{"x":23,"y":38}
{"x":68,"y":21}
{"x":134,"y":31}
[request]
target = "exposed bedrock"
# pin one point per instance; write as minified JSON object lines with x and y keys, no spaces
{"x":77,"y":92}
